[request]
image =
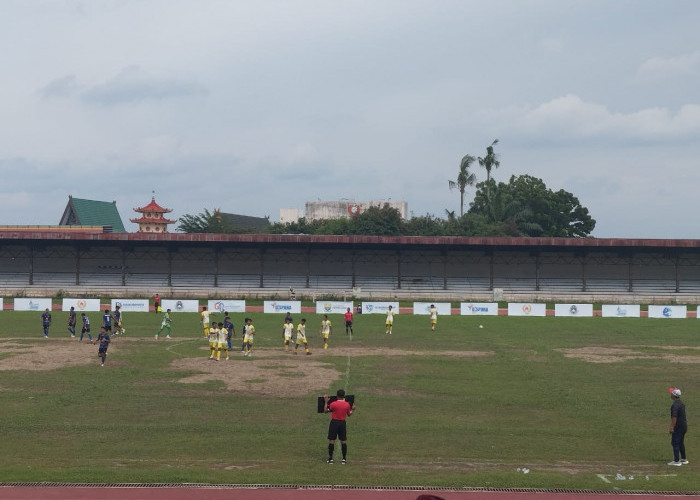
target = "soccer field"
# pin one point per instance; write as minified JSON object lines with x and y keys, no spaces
{"x":522,"y":402}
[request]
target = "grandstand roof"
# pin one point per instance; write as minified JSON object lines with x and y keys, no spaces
{"x":81,"y":212}
{"x":245,"y":222}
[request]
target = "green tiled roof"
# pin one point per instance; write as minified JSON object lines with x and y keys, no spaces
{"x":92,"y":213}
{"x":245,"y":222}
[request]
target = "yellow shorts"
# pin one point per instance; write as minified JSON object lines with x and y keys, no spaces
{"x":213,"y":345}
{"x":248,"y":339}
{"x":301,"y":340}
{"x":223,"y":345}
{"x":325,"y":336}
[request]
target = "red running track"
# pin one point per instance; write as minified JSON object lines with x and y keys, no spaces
{"x":214,"y":493}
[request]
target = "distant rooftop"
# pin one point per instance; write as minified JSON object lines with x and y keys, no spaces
{"x":81,"y":212}
{"x":245,"y":222}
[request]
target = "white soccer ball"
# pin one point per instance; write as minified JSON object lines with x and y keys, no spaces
{"x":481,"y":326}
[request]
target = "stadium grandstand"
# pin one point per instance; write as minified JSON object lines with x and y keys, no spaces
{"x":36,"y":261}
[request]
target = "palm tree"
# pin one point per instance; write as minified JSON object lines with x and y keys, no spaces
{"x":490,"y":160}
{"x":464,"y":178}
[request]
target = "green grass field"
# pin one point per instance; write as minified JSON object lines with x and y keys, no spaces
{"x":462,"y":406}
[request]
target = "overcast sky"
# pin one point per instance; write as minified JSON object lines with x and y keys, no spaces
{"x":252,"y":106}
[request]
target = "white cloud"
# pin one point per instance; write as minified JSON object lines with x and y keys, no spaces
{"x":670,"y":67}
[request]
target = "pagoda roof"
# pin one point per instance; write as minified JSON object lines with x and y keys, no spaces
{"x":92,"y":213}
{"x":154,"y":220}
{"x":153,"y":207}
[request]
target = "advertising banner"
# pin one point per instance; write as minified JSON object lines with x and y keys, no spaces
{"x":526,"y":309}
{"x":574,"y":310}
{"x":81,"y":305}
{"x":423,"y":308}
{"x":179,"y":305}
{"x":227,"y":305}
{"x":331,"y":307}
{"x":379,"y":307}
{"x":282,"y":306}
{"x":32,"y":304}
{"x":478,"y":309}
{"x":668,"y":311}
{"x":620,"y":311}
{"x":130,"y":305}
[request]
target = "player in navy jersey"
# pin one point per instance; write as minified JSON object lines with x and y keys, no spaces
{"x":104,"y":340}
{"x":86,"y":327}
{"x":46,"y":322}
{"x":71,"y":322}
{"x":107,"y":320}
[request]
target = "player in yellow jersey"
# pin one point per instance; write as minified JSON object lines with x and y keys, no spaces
{"x":213,"y":342}
{"x":223,"y":342}
{"x":248,"y":337}
{"x":204,"y":321}
{"x":433,"y":316}
{"x":389,"y":320}
{"x":301,"y":337}
{"x":287,"y":331}
{"x":326,"y":329}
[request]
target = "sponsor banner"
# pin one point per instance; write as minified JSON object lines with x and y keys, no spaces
{"x":130,"y":305}
{"x":228,"y":305}
{"x":668,"y":311}
{"x":179,"y":305}
{"x":478,"y":309}
{"x":379,"y":307}
{"x":526,"y":309}
{"x":81,"y":305}
{"x":330,"y":307}
{"x":32,"y":304}
{"x":282,"y":306}
{"x":620,"y":311}
{"x":423,"y":308}
{"x":574,"y":310}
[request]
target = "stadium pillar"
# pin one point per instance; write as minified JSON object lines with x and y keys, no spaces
{"x":630,"y":282}
{"x":353,"y":257}
{"x":308,"y":265}
{"x":677,"y":264}
{"x":170,"y":266}
{"x":31,"y":264}
{"x":261,"y":253}
{"x":444,"y":269}
{"x":398,"y":268}
{"x":216,"y":267}
{"x":584,"y":284}
{"x":77,"y":265}
{"x":123,"y":266}
{"x":537,"y":271}
{"x":491,"y":257}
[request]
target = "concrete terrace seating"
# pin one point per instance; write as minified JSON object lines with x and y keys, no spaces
{"x":427,"y":283}
{"x":607,"y":285}
{"x":376,"y":282}
{"x":652,"y":286}
{"x":147,"y":280}
{"x":97,"y":279}
{"x":515,"y":284}
{"x":192,"y":280}
{"x":333,"y":282}
{"x":468,"y":284}
{"x":14,"y":279}
{"x":283,"y":281}
{"x":54,"y":279}
{"x":561,"y":284}
{"x":239,"y":281}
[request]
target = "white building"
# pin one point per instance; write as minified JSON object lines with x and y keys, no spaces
{"x":316,"y":210}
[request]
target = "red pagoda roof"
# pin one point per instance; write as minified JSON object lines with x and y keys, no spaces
{"x":153,"y":207}
{"x":153,"y":220}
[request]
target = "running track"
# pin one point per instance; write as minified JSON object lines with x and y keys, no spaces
{"x":308,"y":493}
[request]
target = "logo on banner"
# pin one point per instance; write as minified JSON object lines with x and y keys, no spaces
{"x":118,"y":304}
{"x":33,"y":306}
{"x":81,"y":304}
{"x":527,"y":308}
{"x":369,"y":307}
{"x":327,"y":306}
{"x":621,"y":311}
{"x":281,"y":307}
{"x":179,"y":305}
{"x":477,"y":309}
{"x":220,"y":306}
{"x":667,"y":312}
{"x":573,"y":309}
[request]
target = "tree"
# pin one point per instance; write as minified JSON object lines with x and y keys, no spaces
{"x":464,"y":179}
{"x":528,"y":206}
{"x":205,"y":222}
{"x":490,"y":161}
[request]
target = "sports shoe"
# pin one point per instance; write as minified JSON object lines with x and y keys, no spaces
{"x":156,"y":336}
{"x":684,"y":461}
{"x":344,"y":462}
{"x":329,"y":461}
{"x":308,"y":353}
{"x":167,"y":336}
{"x":677,"y":464}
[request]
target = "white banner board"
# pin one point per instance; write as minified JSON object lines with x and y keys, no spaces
{"x":668,"y":311}
{"x":130,"y":305}
{"x":526,"y":309}
{"x":379,"y":307}
{"x":33,"y":304}
{"x":179,"y":305}
{"x":423,"y":308}
{"x":478,"y":309}
{"x":331,"y":307}
{"x":620,"y":311}
{"x":81,"y":305}
{"x":574,"y":310}
{"x":227,"y":305}
{"x":282,"y":306}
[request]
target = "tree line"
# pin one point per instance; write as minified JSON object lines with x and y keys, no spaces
{"x":523,"y":206}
